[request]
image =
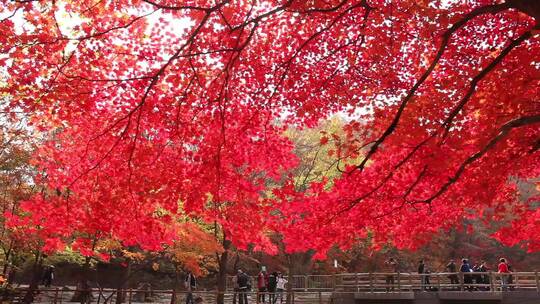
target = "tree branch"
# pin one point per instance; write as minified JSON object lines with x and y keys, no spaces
{"x":503,"y":132}
{"x":492,"y":9}
{"x":472,"y":87}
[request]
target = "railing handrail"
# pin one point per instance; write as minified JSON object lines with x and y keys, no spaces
{"x":129,"y":295}
{"x":400,"y":272}
{"x":410,"y":280}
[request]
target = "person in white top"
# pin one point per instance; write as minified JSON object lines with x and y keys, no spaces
{"x":280,"y":287}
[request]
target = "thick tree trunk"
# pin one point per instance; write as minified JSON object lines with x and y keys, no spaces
{"x":36,"y":276}
{"x":120,"y":291}
{"x":222,"y":274}
{"x":86,"y":295}
{"x":289,"y":279}
{"x":81,"y":295}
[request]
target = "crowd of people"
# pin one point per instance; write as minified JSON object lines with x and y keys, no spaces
{"x":474,"y":277}
{"x":268,"y":284}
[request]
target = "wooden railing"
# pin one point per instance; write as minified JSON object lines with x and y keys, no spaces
{"x":309,"y":289}
{"x":376,"y":282}
{"x":130,"y":296}
{"x":312,"y":289}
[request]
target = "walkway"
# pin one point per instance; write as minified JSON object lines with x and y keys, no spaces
{"x":349,"y":288}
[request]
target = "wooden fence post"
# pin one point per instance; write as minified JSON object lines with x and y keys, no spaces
{"x":370,"y":282}
{"x":320,"y":297}
{"x":399,"y":282}
{"x":356,"y":281}
{"x":130,"y":295}
{"x":537,"y":281}
{"x":173,"y":296}
{"x":56,"y":296}
{"x":491,"y":281}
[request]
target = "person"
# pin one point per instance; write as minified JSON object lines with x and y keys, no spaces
{"x":271,"y":287}
{"x":475,"y":267}
{"x":476,"y":278}
{"x":510,"y":277}
{"x":484,"y":279}
{"x":190,"y":283}
{"x":262,"y":282}
{"x":280,"y":287}
{"x":242,"y":281}
{"x":48,"y":276}
{"x":452,"y":268}
{"x":424,"y":278}
{"x":11,"y":274}
{"x":503,"y":270}
{"x":466,"y":270}
{"x":391,"y":267}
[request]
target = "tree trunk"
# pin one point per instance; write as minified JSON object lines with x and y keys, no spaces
{"x":82,"y":295}
{"x":176,"y":283}
{"x":222,"y":274}
{"x":120,"y":291}
{"x":86,"y":274}
{"x":34,"y":284}
{"x":289,"y":279}
{"x":236,"y":261}
{"x":7,"y":255}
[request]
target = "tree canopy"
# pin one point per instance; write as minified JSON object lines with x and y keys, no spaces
{"x":154,"y":108}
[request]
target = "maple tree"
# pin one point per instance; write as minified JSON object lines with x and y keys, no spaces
{"x":16,"y":185}
{"x":167,"y":105}
{"x":194,"y":250}
{"x":15,"y":174}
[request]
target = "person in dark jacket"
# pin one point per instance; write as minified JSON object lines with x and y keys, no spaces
{"x":476,"y":278}
{"x":510,"y":277}
{"x":242,"y":281}
{"x":391,"y":267}
{"x":48,"y":276}
{"x":190,"y":283}
{"x":466,"y":270}
{"x":272,"y":284}
{"x":452,"y":268}
{"x":484,"y":278}
{"x":424,"y":278}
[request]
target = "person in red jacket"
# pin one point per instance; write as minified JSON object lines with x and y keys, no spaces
{"x":504,"y":271}
{"x":262,"y":282}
